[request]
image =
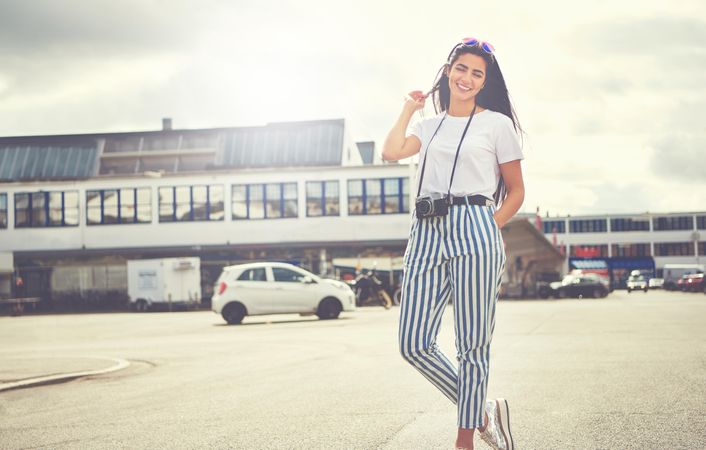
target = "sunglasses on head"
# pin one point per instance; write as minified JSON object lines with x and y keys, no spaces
{"x":474,"y":42}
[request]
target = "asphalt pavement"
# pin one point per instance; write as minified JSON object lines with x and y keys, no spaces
{"x":624,"y":372}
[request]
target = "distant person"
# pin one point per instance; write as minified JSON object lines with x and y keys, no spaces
{"x":379,"y":289}
{"x":363,"y":287}
{"x":470,"y":185}
{"x":20,"y":288}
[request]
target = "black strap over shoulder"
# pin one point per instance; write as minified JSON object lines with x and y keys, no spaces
{"x":426,"y":151}
{"x":473,"y":113}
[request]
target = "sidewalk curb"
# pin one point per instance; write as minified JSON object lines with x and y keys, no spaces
{"x":60,"y":378}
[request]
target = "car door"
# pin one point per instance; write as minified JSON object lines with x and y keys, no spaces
{"x":587,"y":286}
{"x":252,"y":288}
{"x":291,"y":293}
{"x":573,"y":289}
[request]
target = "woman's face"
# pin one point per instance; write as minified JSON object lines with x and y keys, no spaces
{"x":466,"y":77}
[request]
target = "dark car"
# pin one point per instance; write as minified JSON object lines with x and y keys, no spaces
{"x":693,"y":282}
{"x":681,"y":283}
{"x":578,"y":286}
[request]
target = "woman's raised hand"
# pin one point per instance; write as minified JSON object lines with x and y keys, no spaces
{"x":414,"y":101}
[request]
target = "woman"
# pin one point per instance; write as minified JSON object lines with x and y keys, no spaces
{"x":470,"y":185}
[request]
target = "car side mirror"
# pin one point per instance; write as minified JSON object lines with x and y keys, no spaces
{"x":308,"y":280}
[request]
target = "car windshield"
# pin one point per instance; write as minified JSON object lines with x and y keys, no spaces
{"x":637,"y":278}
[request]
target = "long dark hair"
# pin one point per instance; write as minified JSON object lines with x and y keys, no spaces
{"x":493,"y":96}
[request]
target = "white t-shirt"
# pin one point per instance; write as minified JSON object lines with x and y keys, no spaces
{"x":491,"y":140}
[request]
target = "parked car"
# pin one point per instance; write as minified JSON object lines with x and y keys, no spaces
{"x":681,"y":283}
{"x":693,"y":282}
{"x":637,"y":283}
{"x":674,"y":272}
{"x":278,"y":288}
{"x":656,"y":283}
{"x":577,"y":286}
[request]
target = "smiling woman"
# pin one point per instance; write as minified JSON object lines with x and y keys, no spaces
{"x":455,"y":246}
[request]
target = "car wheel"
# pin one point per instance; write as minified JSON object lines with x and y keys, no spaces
{"x":629,"y":291}
{"x":645,"y":291}
{"x":233,"y":313}
{"x":597,"y":293}
{"x":397,"y":297}
{"x":329,"y":308}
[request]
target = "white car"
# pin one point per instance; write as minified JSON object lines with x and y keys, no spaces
{"x":278,"y":288}
{"x":637,"y":282}
{"x":656,"y":283}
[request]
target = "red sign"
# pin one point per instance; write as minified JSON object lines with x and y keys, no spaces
{"x":587,"y":252}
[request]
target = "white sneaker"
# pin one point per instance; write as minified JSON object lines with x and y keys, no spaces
{"x":497,"y":433}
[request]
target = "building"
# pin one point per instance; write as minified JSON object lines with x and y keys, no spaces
{"x":623,"y":242}
{"x":75,"y":208}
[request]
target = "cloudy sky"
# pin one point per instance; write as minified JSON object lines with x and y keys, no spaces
{"x":611,"y":94}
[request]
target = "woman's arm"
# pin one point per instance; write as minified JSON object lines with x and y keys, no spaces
{"x":512,"y":176}
{"x":396,"y":145}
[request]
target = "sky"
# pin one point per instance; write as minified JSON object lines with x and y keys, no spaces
{"x":611,"y":95}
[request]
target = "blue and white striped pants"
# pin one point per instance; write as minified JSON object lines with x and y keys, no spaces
{"x":460,"y":255}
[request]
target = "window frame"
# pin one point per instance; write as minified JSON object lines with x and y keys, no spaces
{"x":282,"y":185}
{"x":46,"y":208}
{"x":401,"y":195}
{"x":588,"y":225}
{"x":671,"y":246}
{"x":323,"y":199}
{"x":4,"y":211}
{"x":252,"y":269}
{"x":561,"y":228}
{"x":190,"y":216}
{"x":670,"y":221}
{"x":119,"y":218}
{"x":628,"y":224}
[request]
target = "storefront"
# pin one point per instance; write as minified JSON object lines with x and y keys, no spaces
{"x":616,"y":270}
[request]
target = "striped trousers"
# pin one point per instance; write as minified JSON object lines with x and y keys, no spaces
{"x":460,"y":256}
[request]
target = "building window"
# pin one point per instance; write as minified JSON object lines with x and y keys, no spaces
{"x":356,"y":200}
{"x":701,"y":222}
{"x":322,"y":198}
{"x":673,"y":223}
{"x":378,"y":196}
{"x":46,"y":209}
{"x":630,"y":250}
{"x":702,"y":248}
{"x":3,"y":210}
{"x":554,"y":226}
{"x":674,"y":249}
{"x":264,"y":201}
{"x":589,"y":251}
{"x":629,"y":224}
{"x":118,"y":206}
{"x":588,"y":226}
{"x":191,"y":203}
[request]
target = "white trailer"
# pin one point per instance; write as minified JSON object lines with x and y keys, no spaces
{"x":671,"y":273}
{"x":164,"y":282}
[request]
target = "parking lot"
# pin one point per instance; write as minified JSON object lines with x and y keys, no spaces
{"x":623,"y":372}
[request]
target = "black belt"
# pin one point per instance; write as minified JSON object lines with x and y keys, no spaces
{"x":479,"y":200}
